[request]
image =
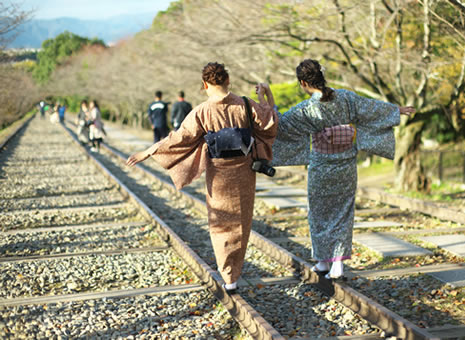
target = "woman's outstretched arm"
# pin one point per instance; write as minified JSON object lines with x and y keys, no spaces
{"x":141,"y":155}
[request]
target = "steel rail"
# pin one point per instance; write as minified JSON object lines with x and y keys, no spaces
{"x":389,"y":321}
{"x":240,"y":310}
{"x":120,"y":293}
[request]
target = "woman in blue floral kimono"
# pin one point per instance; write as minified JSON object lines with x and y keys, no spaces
{"x":332,"y":171}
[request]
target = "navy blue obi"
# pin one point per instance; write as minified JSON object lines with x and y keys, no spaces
{"x":229,"y":142}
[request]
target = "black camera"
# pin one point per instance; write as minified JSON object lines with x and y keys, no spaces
{"x":261,"y":165}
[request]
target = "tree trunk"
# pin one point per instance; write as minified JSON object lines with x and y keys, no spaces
{"x":410,"y":175}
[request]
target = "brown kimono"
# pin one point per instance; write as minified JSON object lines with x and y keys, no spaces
{"x":230,"y":182}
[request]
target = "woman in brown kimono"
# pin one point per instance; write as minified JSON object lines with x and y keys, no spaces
{"x":230,"y":181}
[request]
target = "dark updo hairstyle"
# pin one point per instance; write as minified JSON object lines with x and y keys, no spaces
{"x":95,"y":103}
{"x":215,"y":74}
{"x":310,"y":71}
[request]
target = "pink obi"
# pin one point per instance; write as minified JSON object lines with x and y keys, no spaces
{"x":334,"y":139}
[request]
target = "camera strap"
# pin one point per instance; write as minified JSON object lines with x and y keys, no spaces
{"x":249,"y":115}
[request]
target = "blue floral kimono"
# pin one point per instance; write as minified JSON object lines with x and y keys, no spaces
{"x":332,"y":178}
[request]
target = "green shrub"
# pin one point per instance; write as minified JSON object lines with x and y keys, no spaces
{"x":286,"y":95}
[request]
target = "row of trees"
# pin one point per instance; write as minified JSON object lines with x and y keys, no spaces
{"x":55,"y":52}
{"x":408,"y":52}
{"x":23,"y":84}
{"x":18,"y":92}
{"x":404,"y":52}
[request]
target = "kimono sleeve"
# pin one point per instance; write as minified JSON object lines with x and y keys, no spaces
{"x":292,"y":144}
{"x":301,"y":120}
{"x":184,"y":151}
{"x":374,"y":120}
{"x":265,"y":128}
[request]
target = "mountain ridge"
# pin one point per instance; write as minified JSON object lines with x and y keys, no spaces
{"x":32,"y":33}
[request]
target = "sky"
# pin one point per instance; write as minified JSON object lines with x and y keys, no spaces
{"x":90,"y":9}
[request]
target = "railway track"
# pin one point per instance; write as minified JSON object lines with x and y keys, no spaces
{"x":366,"y":307}
{"x":73,"y":241}
{"x":94,"y":249}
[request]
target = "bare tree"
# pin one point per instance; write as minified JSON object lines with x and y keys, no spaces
{"x":382,"y":49}
{"x":408,"y":52}
{"x":17,"y":90}
{"x":18,"y":93}
{"x":11,"y":17}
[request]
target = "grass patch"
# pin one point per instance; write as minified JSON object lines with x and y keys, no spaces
{"x":447,"y":192}
{"x":378,"y":167}
{"x":5,"y":132}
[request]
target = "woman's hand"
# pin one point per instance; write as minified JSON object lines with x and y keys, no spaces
{"x":407,"y":110}
{"x":262,"y":90}
{"x":137,"y":158}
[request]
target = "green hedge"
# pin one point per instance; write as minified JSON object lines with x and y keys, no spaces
{"x":286,"y":95}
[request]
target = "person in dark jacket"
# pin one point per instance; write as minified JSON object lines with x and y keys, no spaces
{"x":180,"y":110}
{"x":157,"y":114}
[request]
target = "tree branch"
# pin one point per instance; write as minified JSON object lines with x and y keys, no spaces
{"x":447,"y":23}
{"x":363,"y":90}
{"x":460,"y":84}
{"x":421,"y":90}
{"x":399,"y":42}
{"x":458,"y":4}
{"x":378,"y":83}
{"x":11,"y":18}
{"x":390,"y":10}
{"x":342,"y":20}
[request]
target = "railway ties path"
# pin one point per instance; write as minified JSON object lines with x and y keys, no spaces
{"x":370,"y":275}
{"x":79,"y":260}
{"x":277,"y":296}
{"x":268,"y":287}
{"x":195,"y":192}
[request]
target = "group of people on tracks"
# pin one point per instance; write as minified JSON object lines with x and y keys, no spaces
{"x":90,"y":129}
{"x":158,"y":111}
{"x":232,"y":138}
{"x":57,"y":111}
{"x":89,"y":124}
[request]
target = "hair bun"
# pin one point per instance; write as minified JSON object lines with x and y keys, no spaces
{"x":215,"y":73}
{"x":312,"y":73}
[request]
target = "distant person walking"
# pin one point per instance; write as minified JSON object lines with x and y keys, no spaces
{"x":54,"y":117}
{"x":157,"y":114}
{"x":180,"y":110}
{"x":61,"y":112}
{"x":96,"y":132}
{"x":82,"y":129}
{"x":42,"y":109}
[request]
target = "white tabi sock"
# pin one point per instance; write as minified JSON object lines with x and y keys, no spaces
{"x":230,"y":286}
{"x":322,"y":266}
{"x":337,"y":269}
